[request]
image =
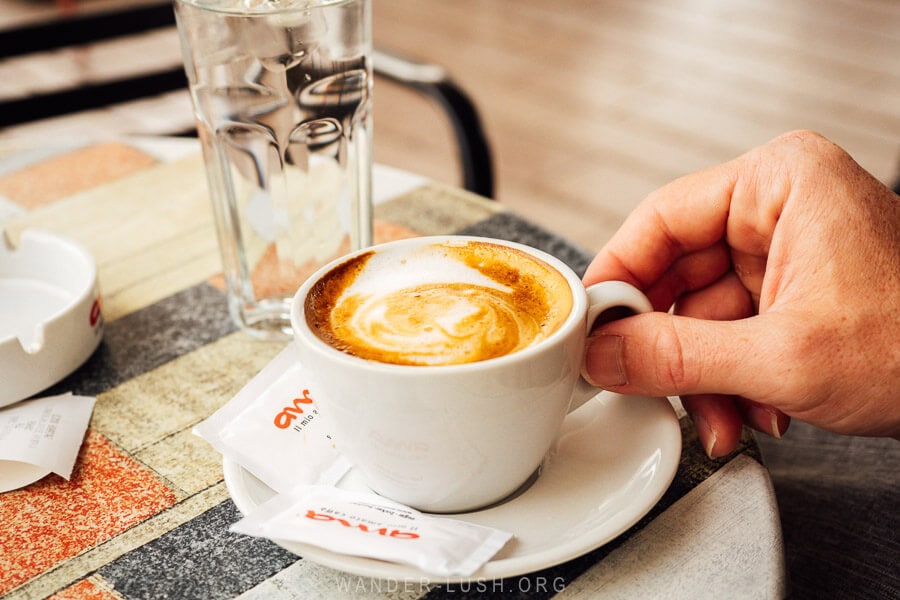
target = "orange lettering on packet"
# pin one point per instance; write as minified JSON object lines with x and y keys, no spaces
{"x":394,"y":533}
{"x":287,"y":415}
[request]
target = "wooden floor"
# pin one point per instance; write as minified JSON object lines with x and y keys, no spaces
{"x":591,"y":104}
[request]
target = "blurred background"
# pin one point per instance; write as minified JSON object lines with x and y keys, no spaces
{"x":591,"y":104}
{"x":588,"y":104}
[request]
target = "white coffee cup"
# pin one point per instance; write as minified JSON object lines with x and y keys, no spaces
{"x":454,"y":438}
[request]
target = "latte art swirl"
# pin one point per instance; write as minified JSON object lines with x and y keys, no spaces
{"x":435,"y":324}
{"x":439,"y":304}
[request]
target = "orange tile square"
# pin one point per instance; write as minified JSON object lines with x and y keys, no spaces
{"x":385,"y":231}
{"x":271,"y":276}
{"x":53,"y":519}
{"x":49,"y":180}
{"x":84,"y":590}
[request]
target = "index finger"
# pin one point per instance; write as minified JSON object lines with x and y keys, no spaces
{"x":737,"y":203}
{"x":682,"y":217}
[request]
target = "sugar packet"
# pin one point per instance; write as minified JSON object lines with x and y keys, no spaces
{"x":366,"y":524}
{"x":273,"y":429}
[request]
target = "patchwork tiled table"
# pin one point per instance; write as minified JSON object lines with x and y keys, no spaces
{"x":146,"y":512}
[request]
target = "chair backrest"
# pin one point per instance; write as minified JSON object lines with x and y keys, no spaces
{"x":63,"y":96}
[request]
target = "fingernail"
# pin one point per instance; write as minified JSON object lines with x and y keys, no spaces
{"x":706,"y":435}
{"x":767,"y":420}
{"x":776,"y":430}
{"x":604,"y":354}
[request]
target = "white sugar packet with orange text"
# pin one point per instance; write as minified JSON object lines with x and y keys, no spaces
{"x":272,"y":429}
{"x":368,"y":525}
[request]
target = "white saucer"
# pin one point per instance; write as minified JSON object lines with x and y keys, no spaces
{"x":613,"y":460}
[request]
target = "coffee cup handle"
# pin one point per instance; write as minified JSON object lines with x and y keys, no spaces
{"x":602,"y":297}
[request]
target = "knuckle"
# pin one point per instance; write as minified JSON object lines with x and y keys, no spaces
{"x":803,"y":138}
{"x":812,"y":146}
{"x":671,"y":368}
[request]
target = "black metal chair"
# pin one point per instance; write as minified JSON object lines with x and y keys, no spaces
{"x":429,"y":80}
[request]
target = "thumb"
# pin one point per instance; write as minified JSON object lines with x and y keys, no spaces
{"x":659,"y":354}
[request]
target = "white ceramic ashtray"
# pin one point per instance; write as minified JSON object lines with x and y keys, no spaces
{"x":50,"y":319}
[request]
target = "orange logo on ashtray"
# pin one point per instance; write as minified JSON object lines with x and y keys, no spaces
{"x":96,"y":313}
{"x":287,"y":415}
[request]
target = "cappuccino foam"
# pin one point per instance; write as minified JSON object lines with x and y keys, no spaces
{"x":438,"y":304}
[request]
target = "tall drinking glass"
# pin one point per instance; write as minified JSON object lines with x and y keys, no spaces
{"x":282,"y":96}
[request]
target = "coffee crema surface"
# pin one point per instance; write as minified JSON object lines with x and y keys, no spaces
{"x":439,"y":304}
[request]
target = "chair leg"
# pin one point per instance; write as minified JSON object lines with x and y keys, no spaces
{"x":474,"y":152}
{"x":472,"y":143}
